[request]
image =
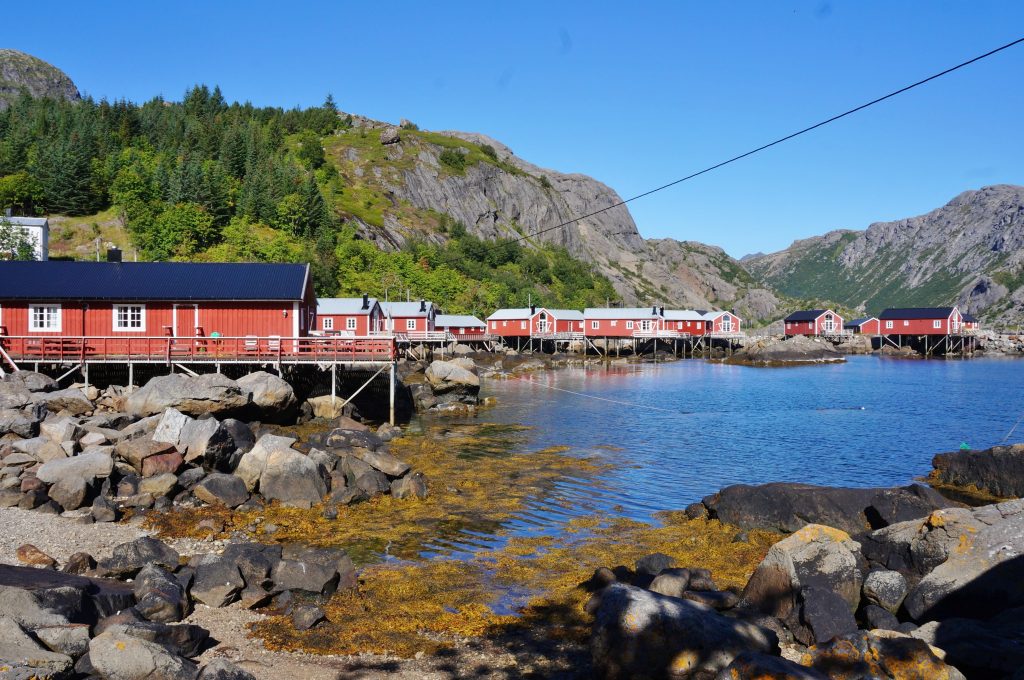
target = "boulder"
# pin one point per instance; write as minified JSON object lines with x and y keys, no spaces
{"x":306,"y":616}
{"x":878,"y":654}
{"x":86,"y":466}
{"x":162,"y":463}
{"x":824,"y":615}
{"x":671,"y":582}
{"x":69,"y":491}
{"x":758,"y":666}
{"x":34,"y":557}
{"x":61,"y":430}
{"x":168,"y":429}
{"x":798,"y":349}
{"x":383,"y":461}
{"x":273,"y":396}
{"x":19,"y":651}
{"x":446,"y":377}
{"x":291,"y":478}
{"x":205,"y":442}
{"x":222,"y":489}
{"x":118,"y":656}
{"x":71,"y":639}
{"x":163,"y":484}
{"x":320,"y":571}
{"x":40,"y":597}
{"x":72,"y":400}
{"x":31,"y":381}
{"x":985,"y":649}
{"x":127,"y":559}
{"x":192,"y":395}
{"x":410,"y":486}
{"x":135,"y":451}
{"x":654,"y":564}
{"x":159,"y":596}
{"x":18,"y":422}
{"x":788,"y":506}
{"x":390,"y":135}
{"x":640,"y":634}
{"x":252,"y":464}
{"x":217,"y":581}
{"x":13,"y":395}
{"x":180,"y":639}
{"x":998,"y":471}
{"x":221,"y":669}
{"x":885,"y":588}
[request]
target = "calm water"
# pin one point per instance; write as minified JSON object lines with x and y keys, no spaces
{"x":676,"y":432}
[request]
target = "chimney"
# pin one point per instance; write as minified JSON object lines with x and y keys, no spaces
{"x":662,"y":311}
{"x":366,"y":301}
{"x":113,"y":255}
{"x":533,"y":309}
{"x":654,"y":310}
{"x":423,"y":305}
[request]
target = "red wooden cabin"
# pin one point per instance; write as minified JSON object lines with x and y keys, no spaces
{"x":813,"y":322}
{"x":534,"y":321}
{"x":627,"y":322}
{"x":921,"y":321}
{"x":461,"y":326}
{"x":969,"y":321}
{"x":723,"y":323}
{"x":685,"y":322}
{"x":867,"y":325}
{"x":349,"y":316}
{"x":409,"y":317}
{"x":155,"y":299}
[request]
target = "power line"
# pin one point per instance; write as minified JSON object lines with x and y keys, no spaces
{"x":777,"y":141}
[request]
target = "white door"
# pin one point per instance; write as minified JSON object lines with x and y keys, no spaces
{"x":542,"y":323}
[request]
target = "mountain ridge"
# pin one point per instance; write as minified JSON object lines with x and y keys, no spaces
{"x":20,"y":71}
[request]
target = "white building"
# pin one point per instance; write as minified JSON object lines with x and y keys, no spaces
{"x":37,"y":229}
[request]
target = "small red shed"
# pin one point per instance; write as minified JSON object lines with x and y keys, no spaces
{"x":921,"y":321}
{"x":409,"y":317}
{"x":814,"y":322}
{"x":723,"y":323}
{"x":349,"y":316}
{"x":463,"y":326}
{"x":685,"y":322}
{"x":868,"y":325}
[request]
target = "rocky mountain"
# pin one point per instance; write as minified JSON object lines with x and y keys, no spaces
{"x":970,"y":252}
{"x":407,"y":183}
{"x":20,"y":71}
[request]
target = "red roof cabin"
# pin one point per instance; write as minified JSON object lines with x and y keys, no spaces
{"x":867,"y":325}
{"x":969,"y":321}
{"x":921,"y":321}
{"x":55,"y":299}
{"x":357,"y":317}
{"x":723,"y":323}
{"x":814,"y":322}
{"x":627,"y":322}
{"x":685,"y":322}
{"x":461,"y":326}
{"x":409,"y":317}
{"x":534,"y":321}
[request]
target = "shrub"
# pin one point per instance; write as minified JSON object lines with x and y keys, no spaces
{"x":489,"y":151}
{"x":454,"y":160}
{"x":545,"y":182}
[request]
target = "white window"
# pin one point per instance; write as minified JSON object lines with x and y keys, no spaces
{"x":410,"y":324}
{"x":680,"y":326}
{"x":129,"y":317}
{"x":888,"y":324}
{"x":906,"y":323}
{"x":629,"y":325}
{"x":615,"y":322}
{"x":936,"y":324}
{"x":462,"y":331}
{"x":522,"y":325}
{"x":328,"y":323}
{"x":350,"y":323}
{"x":594,"y":325}
{"x":44,"y":318}
{"x":494,"y":324}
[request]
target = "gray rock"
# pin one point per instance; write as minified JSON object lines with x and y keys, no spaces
{"x":305,"y":616}
{"x":180,"y":639}
{"x":207,"y":443}
{"x":252,"y":465}
{"x":137,"y":449}
{"x":272,"y":395}
{"x":117,"y":656}
{"x":103,"y":510}
{"x":192,"y":395}
{"x":983,"y":649}
{"x":127,"y":559}
{"x":445,"y":377}
{"x":86,"y":466}
{"x":18,"y":422}
{"x":373,"y":483}
{"x":292,"y":479}
{"x":14,"y":396}
{"x":20,"y":650}
{"x":998,"y":471}
{"x":671,"y":582}
{"x":72,"y":400}
{"x":160,"y":597}
{"x":792,"y":350}
{"x":221,"y":669}
{"x":716,"y":599}
{"x":31,"y":381}
{"x":69,"y":492}
{"x":71,"y":639}
{"x":24,"y":607}
{"x":61,"y":430}
{"x":825,"y":615}
{"x":320,"y":571}
{"x":390,"y":135}
{"x":640,"y":634}
{"x":654,"y":564}
{"x":217,"y":582}
{"x":885,"y":588}
{"x":168,"y":430}
{"x":159,"y":485}
{"x":410,"y":486}
{"x":878,"y":618}
{"x":221,"y":489}
{"x":383,"y":461}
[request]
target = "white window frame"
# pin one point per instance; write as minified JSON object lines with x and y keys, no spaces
{"x":594,"y":325}
{"x":410,"y":324}
{"x":350,"y":323}
{"x":328,"y":323}
{"x":116,"y":320}
{"x":522,"y":325}
{"x":59,"y":316}
{"x":629,"y":325}
{"x":615,"y":322}
{"x":680,"y":326}
{"x":906,"y":322}
{"x":937,"y":323}
{"x":462,"y":331}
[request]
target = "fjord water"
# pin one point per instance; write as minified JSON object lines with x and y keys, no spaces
{"x":673,"y":433}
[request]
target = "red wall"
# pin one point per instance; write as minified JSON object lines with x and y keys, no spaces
{"x":869,"y":327}
{"x":816,"y":327}
{"x":363,"y":323}
{"x":919,"y":326}
{"x":230,"y":319}
{"x":509,"y":328}
{"x":606,"y":329}
{"x":694,"y":328}
{"x":719,"y":323}
{"x":800,"y":328}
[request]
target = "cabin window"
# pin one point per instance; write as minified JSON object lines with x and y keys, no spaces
{"x":129,"y":317}
{"x":522,"y":325}
{"x":888,"y":324}
{"x":44,"y":317}
{"x":328,"y":323}
{"x":615,"y":322}
{"x":594,"y":325}
{"x":936,"y":324}
{"x":350,"y":323}
{"x":462,"y":331}
{"x":629,"y":325}
{"x":680,"y":326}
{"x":410,"y":324}
{"x":906,"y":323}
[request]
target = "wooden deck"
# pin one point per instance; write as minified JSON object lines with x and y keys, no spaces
{"x":199,"y":350}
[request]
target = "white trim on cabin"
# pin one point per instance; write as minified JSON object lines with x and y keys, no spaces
{"x":51,"y":316}
{"x":133,"y":325}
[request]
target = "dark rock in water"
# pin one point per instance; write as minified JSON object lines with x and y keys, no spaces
{"x":79,"y":599}
{"x":306,"y":616}
{"x":998,"y":471}
{"x":654,"y":564}
{"x":825,"y":615}
{"x":221,"y":669}
{"x":128,"y":558}
{"x":640,"y":634}
{"x":217,"y":581}
{"x":757,"y":666}
{"x":410,"y":486}
{"x":222,"y":489}
{"x":116,"y":654}
{"x":865,"y":654}
{"x":877,"y":617}
{"x":787,"y":506}
{"x":792,"y":350}
{"x":982,"y":649}
{"x":160,"y":596}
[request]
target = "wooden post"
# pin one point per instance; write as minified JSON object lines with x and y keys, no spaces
{"x":391,"y":395}
{"x":131,"y":375}
{"x":85,"y":373}
{"x":334,"y":383}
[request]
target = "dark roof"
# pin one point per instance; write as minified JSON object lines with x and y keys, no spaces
{"x":805,"y":315}
{"x":62,"y":280}
{"x":916,"y":313}
{"x":969,"y":318}
{"x":857,"y":323}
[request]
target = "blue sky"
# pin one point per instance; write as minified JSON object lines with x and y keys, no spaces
{"x":634,"y":94}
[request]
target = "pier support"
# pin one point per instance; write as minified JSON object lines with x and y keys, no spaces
{"x":391,"y":391}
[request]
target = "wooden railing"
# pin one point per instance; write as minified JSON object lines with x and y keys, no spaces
{"x":199,"y":349}
{"x":661,"y":333}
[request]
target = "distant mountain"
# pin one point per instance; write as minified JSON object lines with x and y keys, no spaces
{"x":969,"y":252}
{"x":20,"y":71}
{"x":397,"y":191}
